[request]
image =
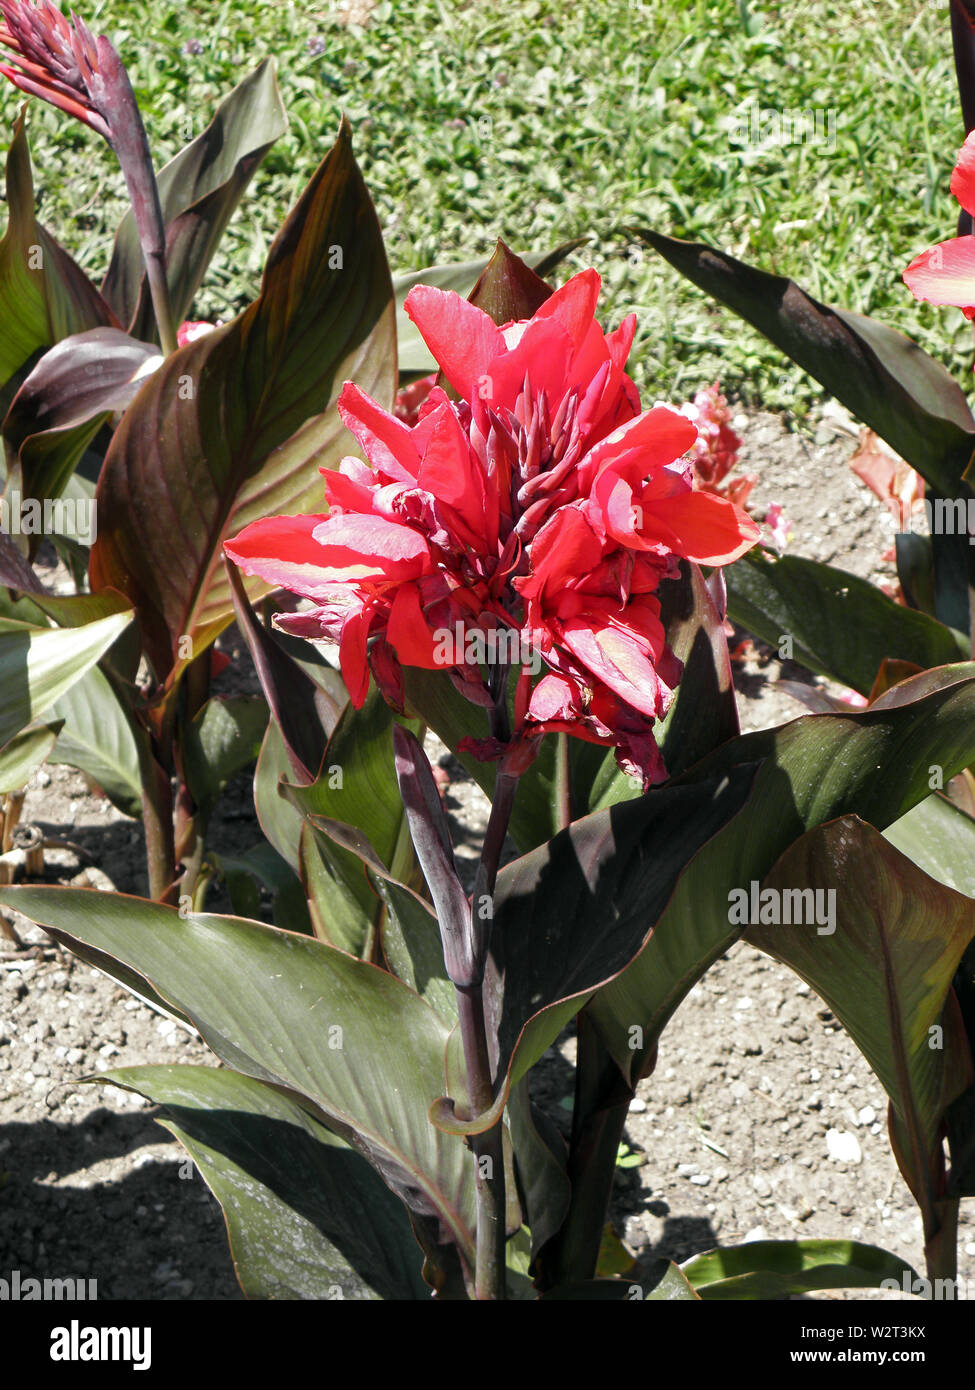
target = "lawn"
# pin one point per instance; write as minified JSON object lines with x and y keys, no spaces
{"x":545,"y":120}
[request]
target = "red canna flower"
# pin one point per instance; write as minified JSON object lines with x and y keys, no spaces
{"x":945,"y":274}
{"x":529,"y":524}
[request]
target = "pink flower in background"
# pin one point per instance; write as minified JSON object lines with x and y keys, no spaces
{"x":715,"y":453}
{"x":540,"y":512}
{"x":853,"y":698}
{"x":192,"y":329}
{"x":780,"y":526}
{"x":895,"y":483}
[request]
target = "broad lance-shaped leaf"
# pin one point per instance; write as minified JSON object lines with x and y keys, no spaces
{"x":882,"y":955}
{"x":289,"y":1010}
{"x":427,"y":821}
{"x":44,"y":296}
{"x":356,"y":787}
{"x":841,"y":626}
{"x":100,"y":739}
{"x":24,"y":754}
{"x":307,"y":1216}
{"x":874,"y":764}
{"x":887,"y":381}
{"x":767,"y":1269}
{"x":199,"y":191}
{"x":302,"y":710}
{"x":223,"y":738}
{"x":280,"y":821}
{"x":573,"y":913}
{"x":662,"y":1283}
{"x":73,"y":390}
{"x":235,"y":425}
{"x":940,"y":839}
{"x":38,"y":665}
{"x":413,"y":949}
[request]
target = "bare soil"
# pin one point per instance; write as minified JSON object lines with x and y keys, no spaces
{"x":736,"y":1127}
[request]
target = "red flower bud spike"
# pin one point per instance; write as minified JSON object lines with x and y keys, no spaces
{"x":61,"y":61}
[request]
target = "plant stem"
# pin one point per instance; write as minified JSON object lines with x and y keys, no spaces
{"x":941,"y":1240}
{"x":131,"y":145}
{"x":489,"y":1280}
{"x":563,"y":780}
{"x":157,"y":810}
{"x":489,"y":1277}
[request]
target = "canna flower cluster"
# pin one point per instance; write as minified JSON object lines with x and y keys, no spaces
{"x":541,"y":506}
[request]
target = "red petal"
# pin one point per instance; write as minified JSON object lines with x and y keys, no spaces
{"x":963,"y":176}
{"x":386,"y":441}
{"x":641,"y":446}
{"x":282,"y":551}
{"x":448,"y":473}
{"x":574,"y":306}
{"x":565,"y":548}
{"x":408,"y":632}
{"x":463,"y":339}
{"x":701,"y":527}
{"x":945,"y":274}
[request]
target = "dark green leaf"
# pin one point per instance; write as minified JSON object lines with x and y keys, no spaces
{"x":874,"y":764}
{"x":884,"y":963}
{"x":73,"y":390}
{"x":225,"y":737}
{"x":44,"y":296}
{"x":765,"y":1269}
{"x":99,"y":739}
{"x":841,"y":626}
{"x":306,"y":1215}
{"x":572,"y":914}
{"x":887,"y":381}
{"x":40,"y":665}
{"x":24,"y":754}
{"x":286,"y":1009}
{"x":234,"y":426}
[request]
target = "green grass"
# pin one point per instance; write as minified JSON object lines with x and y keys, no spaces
{"x":541,"y":120}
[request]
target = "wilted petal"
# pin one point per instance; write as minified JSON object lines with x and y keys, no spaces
{"x":619,"y":660}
